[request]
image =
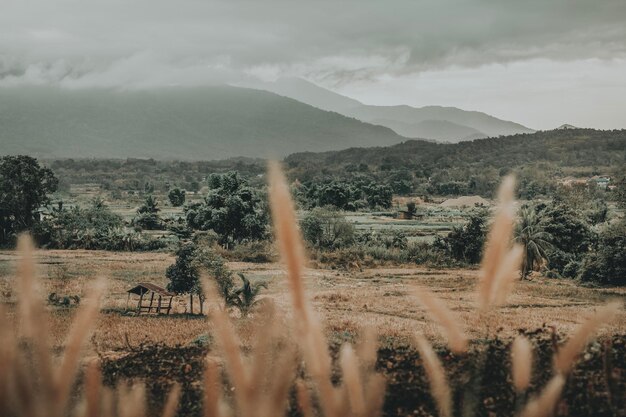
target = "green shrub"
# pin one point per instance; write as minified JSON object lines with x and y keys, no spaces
{"x":327,"y":229}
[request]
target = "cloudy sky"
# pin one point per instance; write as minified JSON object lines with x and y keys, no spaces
{"x":538,"y":62}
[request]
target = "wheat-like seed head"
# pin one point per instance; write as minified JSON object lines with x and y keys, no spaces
{"x":545,"y":403}
{"x":31,"y":383}
{"x":457,"y":340}
{"x":500,"y":261}
{"x":313,"y":343}
{"x":436,"y":377}
{"x":565,"y":357}
{"x":288,"y":236}
{"x":522,"y":361}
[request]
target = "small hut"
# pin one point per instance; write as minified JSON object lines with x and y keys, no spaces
{"x":151,"y":298}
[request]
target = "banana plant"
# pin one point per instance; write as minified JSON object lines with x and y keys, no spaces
{"x":246,"y":297}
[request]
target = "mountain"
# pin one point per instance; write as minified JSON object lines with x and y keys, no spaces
{"x":481,"y":122}
{"x":173,"y":123}
{"x":446,"y":124}
{"x":566,"y":126}
{"x":438,"y":130}
{"x":309,"y":93}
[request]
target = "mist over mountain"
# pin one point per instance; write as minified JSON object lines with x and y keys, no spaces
{"x":444,"y":124}
{"x":203,"y":123}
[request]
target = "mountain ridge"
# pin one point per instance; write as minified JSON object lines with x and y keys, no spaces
{"x":173,"y":123}
{"x":472,"y":121}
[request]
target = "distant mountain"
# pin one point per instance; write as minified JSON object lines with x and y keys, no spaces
{"x":438,"y":130}
{"x":204,"y":123}
{"x":566,"y":126}
{"x":446,"y":124}
{"x":309,"y":93}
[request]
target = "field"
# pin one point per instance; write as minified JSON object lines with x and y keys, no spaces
{"x":162,"y":349}
{"x":347,"y":301}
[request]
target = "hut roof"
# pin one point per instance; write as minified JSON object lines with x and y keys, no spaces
{"x":144,"y":287}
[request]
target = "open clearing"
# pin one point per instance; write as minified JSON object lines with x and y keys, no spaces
{"x":347,"y":301}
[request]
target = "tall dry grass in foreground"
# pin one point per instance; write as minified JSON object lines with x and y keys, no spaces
{"x":35,"y":383}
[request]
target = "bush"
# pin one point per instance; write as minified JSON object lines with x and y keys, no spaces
{"x":607,"y":264}
{"x":465,"y":243}
{"x":94,"y":227}
{"x":259,"y":252}
{"x":327,"y":229}
{"x":176,"y":197}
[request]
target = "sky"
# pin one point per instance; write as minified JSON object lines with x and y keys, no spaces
{"x":541,"y":63}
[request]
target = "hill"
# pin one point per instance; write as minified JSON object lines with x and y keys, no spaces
{"x":569,"y":147}
{"x":474,"y":167}
{"x":445,"y":124}
{"x":192,"y":124}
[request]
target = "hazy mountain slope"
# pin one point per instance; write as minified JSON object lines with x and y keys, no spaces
{"x":470,"y":124}
{"x":439,"y":130}
{"x":309,"y":93}
{"x":199,"y":123}
{"x":482,"y":122}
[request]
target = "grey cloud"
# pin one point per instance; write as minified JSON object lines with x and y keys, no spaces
{"x":150,"y":42}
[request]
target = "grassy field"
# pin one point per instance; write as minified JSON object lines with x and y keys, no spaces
{"x":347,"y":301}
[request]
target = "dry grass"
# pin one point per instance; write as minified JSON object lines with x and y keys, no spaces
{"x":345,"y":301}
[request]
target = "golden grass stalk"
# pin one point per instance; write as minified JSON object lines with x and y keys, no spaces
{"x":351,"y":379}
{"x":171,"y":404}
{"x":566,"y":356}
{"x":229,"y":347}
{"x":449,"y":324}
{"x":436,"y":377}
{"x":288,"y":236}
{"x":212,"y":389}
{"x":497,"y":246}
{"x":522,"y":363}
{"x":311,"y":338}
{"x":30,"y":386}
{"x":260,"y":389}
{"x":545,"y":403}
{"x":92,"y":389}
{"x":304,"y":399}
{"x":83,"y":323}
{"x":506,"y":275}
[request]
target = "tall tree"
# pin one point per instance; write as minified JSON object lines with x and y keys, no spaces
{"x":24,"y":188}
{"x":531,"y":233}
{"x":232,"y":209}
{"x":176,"y":197}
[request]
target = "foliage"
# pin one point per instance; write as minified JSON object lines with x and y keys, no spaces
{"x":191,"y":260}
{"x":24,"y":188}
{"x":472,"y":167}
{"x":607,"y":263}
{"x":465,"y":243}
{"x":570,"y":236}
{"x":531,"y":233}
{"x":176,"y":197}
{"x":148,"y":215}
{"x":360,"y":193}
{"x":232,"y":209}
{"x":245,"y":297}
{"x":93,"y":227}
{"x":327,"y":228}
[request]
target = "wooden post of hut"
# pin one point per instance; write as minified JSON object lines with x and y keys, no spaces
{"x":142,"y":289}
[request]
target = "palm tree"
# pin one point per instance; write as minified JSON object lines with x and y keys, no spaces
{"x":531,"y":234}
